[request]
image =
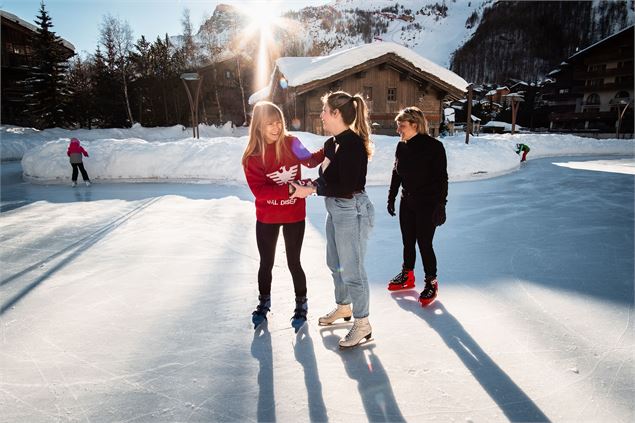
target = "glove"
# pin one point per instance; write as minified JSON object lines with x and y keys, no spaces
{"x":391,"y":207}
{"x":438,"y":216}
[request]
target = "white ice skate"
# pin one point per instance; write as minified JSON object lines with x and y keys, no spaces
{"x":359,"y":333}
{"x":74,"y":184}
{"x":341,"y":311}
{"x":87,"y":183}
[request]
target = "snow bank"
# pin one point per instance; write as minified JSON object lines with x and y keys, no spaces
{"x":15,"y":141}
{"x":170,"y":154}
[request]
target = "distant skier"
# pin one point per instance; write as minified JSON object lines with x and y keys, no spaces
{"x":272,"y":160}
{"x":421,"y":170}
{"x":75,"y":152}
{"x":524,"y":148}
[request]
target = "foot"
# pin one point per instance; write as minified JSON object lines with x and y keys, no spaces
{"x":87,"y":183}
{"x":260,"y":314}
{"x":74,"y":184}
{"x":404,"y":280}
{"x":342,"y":311}
{"x":430,"y":292}
{"x":360,"y":332}
{"x":299,"y":314}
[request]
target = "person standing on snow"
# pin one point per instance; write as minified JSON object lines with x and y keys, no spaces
{"x":350,"y":214}
{"x":75,"y":152}
{"x":421,"y":170}
{"x":271,"y":161}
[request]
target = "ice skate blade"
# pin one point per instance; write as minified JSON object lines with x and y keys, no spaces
{"x":427,"y":301}
{"x":368,"y":338}
{"x":335,"y":322}
{"x":393,"y":287}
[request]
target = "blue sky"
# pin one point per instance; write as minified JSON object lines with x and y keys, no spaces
{"x":78,"y":21}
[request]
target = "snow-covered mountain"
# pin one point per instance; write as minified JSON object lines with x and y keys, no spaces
{"x":481,"y":40}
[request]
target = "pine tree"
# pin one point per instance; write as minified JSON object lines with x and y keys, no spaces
{"x":48,"y":93}
{"x":81,"y":108}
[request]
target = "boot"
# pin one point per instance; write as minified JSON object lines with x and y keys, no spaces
{"x":87,"y":183}
{"x":260,"y":314}
{"x":430,"y":291}
{"x":404,"y":280}
{"x":299,"y":314}
{"x":341,"y":311}
{"x":361,"y":330}
{"x":74,"y":184}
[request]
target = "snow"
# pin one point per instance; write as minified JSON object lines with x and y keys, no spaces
{"x":301,"y":70}
{"x":132,"y":302}
{"x":170,"y":154}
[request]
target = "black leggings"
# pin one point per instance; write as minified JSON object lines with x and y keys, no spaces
{"x":267,"y":237}
{"x":81,"y":169}
{"x":417,"y":227}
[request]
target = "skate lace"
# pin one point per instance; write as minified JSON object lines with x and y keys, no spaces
{"x":429,"y":290}
{"x":352,"y":332}
{"x":299,"y":313}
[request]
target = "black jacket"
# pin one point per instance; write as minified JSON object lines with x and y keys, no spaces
{"x":346,"y":172}
{"x":421,"y":169}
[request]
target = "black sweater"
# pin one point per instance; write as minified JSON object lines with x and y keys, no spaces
{"x":346,"y":172}
{"x":421,"y":169}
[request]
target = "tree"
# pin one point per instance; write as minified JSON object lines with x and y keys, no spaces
{"x":116,"y":36}
{"x":81,"y":108}
{"x":48,"y":94}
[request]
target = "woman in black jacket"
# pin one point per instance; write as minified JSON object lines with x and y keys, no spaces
{"x":421,"y":170}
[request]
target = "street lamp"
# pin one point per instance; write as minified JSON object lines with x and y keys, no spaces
{"x":193,"y":76}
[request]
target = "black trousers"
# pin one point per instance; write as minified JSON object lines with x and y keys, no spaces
{"x":79,"y":166}
{"x":417,"y":227}
{"x":267,"y":238}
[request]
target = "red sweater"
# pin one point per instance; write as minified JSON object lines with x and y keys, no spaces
{"x":269,"y":181}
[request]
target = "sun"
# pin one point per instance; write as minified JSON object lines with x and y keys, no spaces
{"x":263,"y":19}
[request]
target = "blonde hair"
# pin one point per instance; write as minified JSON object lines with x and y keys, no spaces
{"x":354,"y":114}
{"x":263,"y":113}
{"x":415,"y":116}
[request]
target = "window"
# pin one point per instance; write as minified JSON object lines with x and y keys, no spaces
{"x":368,"y":93}
{"x":597,"y":67}
{"x":593,"y":99}
{"x":598,"y":82}
{"x":229,"y":74}
{"x":392,"y":94}
{"x":563,"y":91}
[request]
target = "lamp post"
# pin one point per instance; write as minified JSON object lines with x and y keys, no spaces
{"x":194,"y":76}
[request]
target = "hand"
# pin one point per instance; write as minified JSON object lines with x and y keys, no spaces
{"x":391,"y":207}
{"x":438,"y":216}
{"x":302,"y":191}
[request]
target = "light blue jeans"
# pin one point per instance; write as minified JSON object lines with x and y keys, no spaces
{"x":348,"y":225}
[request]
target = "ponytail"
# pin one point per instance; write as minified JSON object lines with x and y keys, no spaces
{"x":361,"y":125}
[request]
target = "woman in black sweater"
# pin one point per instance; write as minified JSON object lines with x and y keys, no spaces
{"x":421,"y":170}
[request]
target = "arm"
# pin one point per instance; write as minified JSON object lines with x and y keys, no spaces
{"x":305,"y":157}
{"x":257,"y":181}
{"x":441,"y":174}
{"x":84,"y":152}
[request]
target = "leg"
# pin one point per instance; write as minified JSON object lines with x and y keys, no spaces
{"x":425,"y":234}
{"x":84,"y":174}
{"x":333,"y":262}
{"x":407,"y":223}
{"x":74,"y":176}
{"x":293,"y":234}
{"x":352,"y":220}
{"x":266,"y":238}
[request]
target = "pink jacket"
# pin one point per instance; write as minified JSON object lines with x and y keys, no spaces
{"x":75,"y":151}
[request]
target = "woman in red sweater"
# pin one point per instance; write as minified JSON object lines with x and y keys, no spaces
{"x":271,"y":161}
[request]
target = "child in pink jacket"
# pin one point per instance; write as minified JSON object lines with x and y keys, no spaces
{"x":75,"y":152}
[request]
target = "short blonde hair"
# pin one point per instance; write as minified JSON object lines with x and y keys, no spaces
{"x":415,"y":116}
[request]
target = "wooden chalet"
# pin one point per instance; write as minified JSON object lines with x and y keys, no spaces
{"x":389,"y":76}
{"x":17,"y":56}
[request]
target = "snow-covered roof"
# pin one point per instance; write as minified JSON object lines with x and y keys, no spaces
{"x":628,"y":28}
{"x":302,"y":70}
{"x":261,"y":94}
{"x":30,"y":26}
{"x":490,"y":92}
{"x":449,"y":114}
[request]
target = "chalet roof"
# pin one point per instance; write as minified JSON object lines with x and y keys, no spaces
{"x":299,"y":71}
{"x":592,"y":46}
{"x":30,"y":26}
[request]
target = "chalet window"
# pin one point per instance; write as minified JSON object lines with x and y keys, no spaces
{"x":392,"y":94}
{"x":597,"y":67}
{"x":598,"y":82}
{"x":593,"y":99}
{"x":368,"y":93}
{"x":229,"y":74}
{"x":563,"y":91}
